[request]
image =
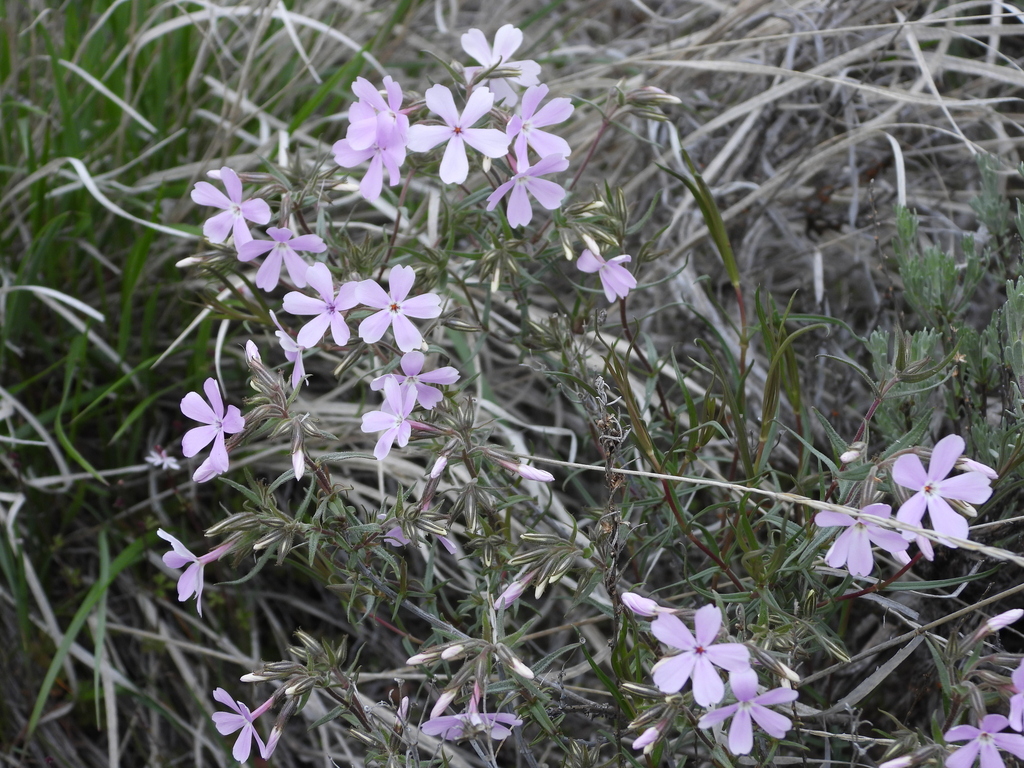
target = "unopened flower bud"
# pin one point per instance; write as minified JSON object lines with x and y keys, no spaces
{"x":453,"y":652}
{"x":591,"y":244}
{"x":252,"y":352}
{"x":641,"y":606}
{"x":421,"y":658}
{"x":854,"y":452}
{"x":443,"y":702}
{"x":520,"y":668}
{"x":651,"y":95}
{"x":300,"y":686}
{"x":970,"y":465}
{"x":1004,"y":619}
{"x":647,"y":739}
{"x":438,"y":468}
{"x":513,"y":592}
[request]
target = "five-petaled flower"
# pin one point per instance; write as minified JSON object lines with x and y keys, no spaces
{"x":396,"y":308}
{"x":218,"y":423}
{"x":750,"y":706}
{"x":236,"y":210}
{"x":470,"y":722}
{"x":191,"y":580}
{"x":616,"y":280}
{"x":524,"y":129}
{"x":700,"y":655}
{"x":853,"y":547}
{"x":985,"y":740}
{"x":506,"y":42}
{"x":393,"y":418}
{"x":328,"y":308}
{"x":159,"y":458}
{"x":241,"y":719}
{"x":384,"y":153}
{"x":932,"y":488}
{"x":373,"y":120}
{"x":412,"y":368}
{"x":282,"y":248}
{"x":527,"y":179}
{"x":458,"y":131}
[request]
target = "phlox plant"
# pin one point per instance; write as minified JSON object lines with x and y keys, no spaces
{"x":669,"y":570}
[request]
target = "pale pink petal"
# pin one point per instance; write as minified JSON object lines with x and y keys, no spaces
{"x":475,"y":44}
{"x":204,"y":193}
{"x":506,"y":42}
{"x":441,"y":102}
{"x":256,"y":210}
{"x":412,"y":363}
{"x":339,"y":330}
{"x":180,"y":555}
{"x":384,"y":444}
{"x":370,"y":293}
{"x":707,"y":622}
{"x":859,"y":559}
{"x":424,"y":306}
{"x":965,"y":756}
{"x":373,"y":181}
{"x":361,"y":136}
{"x":347,"y":156}
{"x":743,"y":684}
{"x":741,"y":734}
{"x":554,"y":112}
{"x":772,"y":723}
{"x":190,"y":582}
{"x":534,"y":95}
{"x":547,"y":144}
{"x":828,"y":519}
{"x":487,"y":141}
{"x":425,"y":137}
{"x":428,"y":397}
{"x":217,"y":228}
{"x":547,"y":193}
{"x":310,"y":243}
{"x":908,"y":471}
{"x":365,"y":91}
{"x":945,"y":520}
{"x":716,"y":716}
{"x":707,"y":685}
{"x":589,"y":262}
{"x":944,"y":456}
{"x":912,"y":510}
{"x":233,"y":421}
{"x":205,"y":472}
{"x":478,"y":105}
{"x":196,"y":439}
{"x":890,"y":541}
{"x":553,"y":163}
{"x":495,"y":197}
{"x":400,"y":281}
{"x":375,"y":421}
{"x":446,"y":375}
{"x":1011,"y":742}
{"x":312,"y":332}
{"x":373,"y":328}
{"x":254,"y":248}
{"x":671,"y":631}
{"x":670,"y":674}
{"x":454,"y":164}
{"x":839,"y":553}
{"x":407,"y":337}
{"x":296,"y":303}
{"x":972,"y":487}
{"x":777,"y":696}
{"x":269,"y":273}
{"x":733,"y":657}
{"x":193,"y":406}
{"x":520,"y":212}
{"x":232,"y":184}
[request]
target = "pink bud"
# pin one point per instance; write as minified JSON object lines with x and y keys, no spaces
{"x":438,"y":468}
{"x":1004,"y":619}
{"x":443,"y":702}
{"x":641,"y":606}
{"x":647,"y":738}
{"x":513,"y":592}
{"x":252,"y":352}
{"x":532,"y":473}
{"x":970,"y":465}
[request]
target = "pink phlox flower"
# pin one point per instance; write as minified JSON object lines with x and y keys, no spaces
{"x":986,"y":741}
{"x":412,"y":376}
{"x":218,"y":423}
{"x":191,"y":580}
{"x":506,"y":42}
{"x":468,"y":724}
{"x":392,"y":418}
{"x":396,"y":308}
{"x":933,"y":487}
{"x":372,"y":120}
{"x":160,"y":459}
{"x":524,"y":128}
{"x":458,"y":131}
{"x":240,"y":719}
{"x":328,"y":308}
{"x":527,"y":179}
{"x":397,"y":538}
{"x":292,"y":351}
{"x":853,"y":547}
{"x":384,"y":153}
{"x":699,"y":655}
{"x":236,"y":210}
{"x":616,"y":280}
{"x":282,"y":248}
{"x":642,"y":606}
{"x":513,"y":591}
{"x":750,"y":706}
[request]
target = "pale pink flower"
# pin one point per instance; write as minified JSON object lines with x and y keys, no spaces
{"x":853,"y":547}
{"x":524,"y":128}
{"x":471,"y":722}
{"x":616,"y":280}
{"x":412,"y":368}
{"x":381,"y":155}
{"x":218,"y":423}
{"x":527,"y":180}
{"x":396,"y":308}
{"x":241,"y":719}
{"x":160,"y":459}
{"x":513,"y":591}
{"x":328,"y":308}
{"x":647,"y":738}
{"x":699,"y":655}
{"x":986,"y":741}
{"x":292,"y":352}
{"x":282,"y":248}
{"x":392,"y":418}
{"x":933,"y":487}
{"x":458,"y":131}
{"x":506,"y":42}
{"x":750,"y":706}
{"x":236,"y":210}
{"x":191,"y":580}
{"x":373,"y":120}
{"x":1017,"y":699}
